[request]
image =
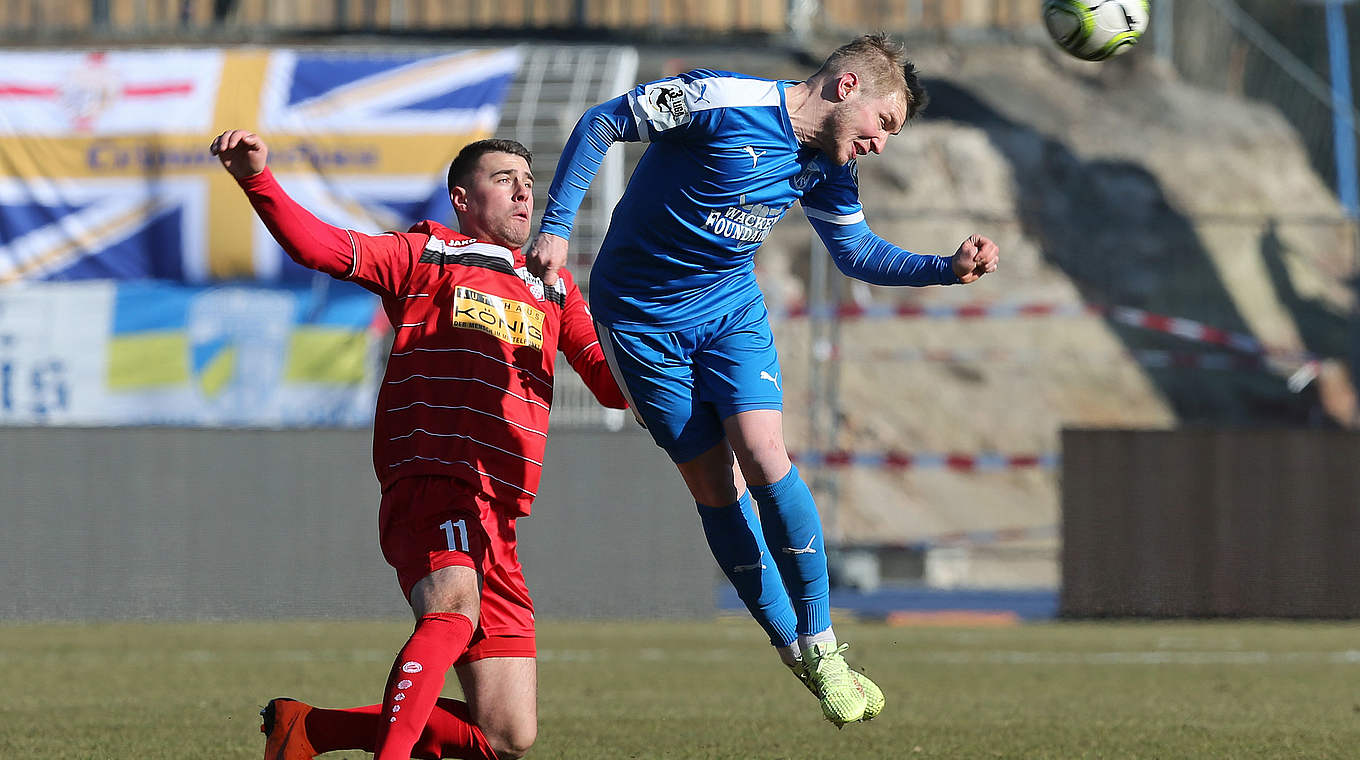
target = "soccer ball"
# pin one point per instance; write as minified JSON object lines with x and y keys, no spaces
{"x":1094,"y":30}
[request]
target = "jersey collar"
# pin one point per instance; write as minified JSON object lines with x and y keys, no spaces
{"x":512,"y":256}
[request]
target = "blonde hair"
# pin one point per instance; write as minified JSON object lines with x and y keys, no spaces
{"x":882,"y":66}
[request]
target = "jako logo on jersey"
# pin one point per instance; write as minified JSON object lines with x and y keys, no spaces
{"x":411,"y":666}
{"x":749,"y":222}
{"x":767,"y":376}
{"x":404,"y":683}
{"x":755,"y":155}
{"x":513,"y":322}
{"x":665,"y":106}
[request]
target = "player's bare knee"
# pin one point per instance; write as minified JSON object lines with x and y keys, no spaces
{"x":714,"y":494}
{"x":450,"y":590}
{"x":709,"y":477}
{"x":513,"y":741}
{"x":764,"y":463}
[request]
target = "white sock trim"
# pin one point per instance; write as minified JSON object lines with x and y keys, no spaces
{"x":825,"y":637}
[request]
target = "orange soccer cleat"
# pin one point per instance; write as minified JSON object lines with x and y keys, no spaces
{"x":285,"y":730}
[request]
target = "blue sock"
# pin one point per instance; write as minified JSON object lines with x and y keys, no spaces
{"x":792,"y":526}
{"x":741,"y":553}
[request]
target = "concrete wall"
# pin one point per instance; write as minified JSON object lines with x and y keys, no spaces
{"x":1196,"y":523}
{"x":172,"y":523}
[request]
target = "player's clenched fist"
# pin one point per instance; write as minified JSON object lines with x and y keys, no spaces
{"x":242,"y":153}
{"x":548,"y":254}
{"x":976,"y":256}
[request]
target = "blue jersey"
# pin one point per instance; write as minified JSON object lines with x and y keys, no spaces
{"x":723,"y":166}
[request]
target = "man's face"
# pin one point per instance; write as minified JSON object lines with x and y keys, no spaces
{"x":498,"y":203}
{"x":860,"y":124}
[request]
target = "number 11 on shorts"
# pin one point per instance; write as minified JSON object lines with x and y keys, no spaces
{"x":456,"y":533}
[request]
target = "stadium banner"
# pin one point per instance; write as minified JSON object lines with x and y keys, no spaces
{"x":99,"y":353}
{"x":105,"y":170}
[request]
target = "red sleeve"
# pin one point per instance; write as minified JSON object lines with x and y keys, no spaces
{"x":582,"y":349}
{"x":381,"y":263}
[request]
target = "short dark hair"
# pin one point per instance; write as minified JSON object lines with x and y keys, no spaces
{"x":467,"y":158}
{"x":882,"y":64}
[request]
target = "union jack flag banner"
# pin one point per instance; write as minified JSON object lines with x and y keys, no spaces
{"x":105,"y":171}
{"x":189,"y":313}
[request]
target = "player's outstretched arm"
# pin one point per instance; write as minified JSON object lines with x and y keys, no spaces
{"x":863,"y":255}
{"x":976,"y":256}
{"x":599,"y":128}
{"x":834,"y":210}
{"x":306,"y":239}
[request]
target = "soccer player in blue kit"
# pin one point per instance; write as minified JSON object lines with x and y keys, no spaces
{"x":683,"y":323}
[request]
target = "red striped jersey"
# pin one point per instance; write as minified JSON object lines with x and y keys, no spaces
{"x":469,"y":383}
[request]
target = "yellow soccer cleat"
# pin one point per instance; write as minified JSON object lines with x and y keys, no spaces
{"x":873,"y":696}
{"x":835,"y":685}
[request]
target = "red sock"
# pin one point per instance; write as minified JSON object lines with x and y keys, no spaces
{"x":415,"y":682}
{"x":449,"y":733}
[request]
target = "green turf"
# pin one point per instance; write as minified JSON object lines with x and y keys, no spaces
{"x":714,"y":690}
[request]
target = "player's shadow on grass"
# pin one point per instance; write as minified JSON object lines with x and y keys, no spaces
{"x":1110,"y":228}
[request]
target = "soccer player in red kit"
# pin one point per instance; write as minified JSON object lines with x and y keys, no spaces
{"x":458,"y":442}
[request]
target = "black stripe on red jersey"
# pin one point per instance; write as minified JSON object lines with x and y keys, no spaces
{"x":496,"y":264}
{"x":493,"y":263}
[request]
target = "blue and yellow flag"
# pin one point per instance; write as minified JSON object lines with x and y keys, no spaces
{"x":100,"y":352}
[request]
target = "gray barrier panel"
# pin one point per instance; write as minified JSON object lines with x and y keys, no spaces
{"x":1211,"y":523}
{"x":174,"y":523}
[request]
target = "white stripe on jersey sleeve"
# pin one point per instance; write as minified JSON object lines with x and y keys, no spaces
{"x":824,"y":216}
{"x":639,"y":118}
{"x":657,"y":106}
{"x":731,"y":92}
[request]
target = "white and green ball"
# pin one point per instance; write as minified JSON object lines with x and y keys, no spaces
{"x":1094,"y":30}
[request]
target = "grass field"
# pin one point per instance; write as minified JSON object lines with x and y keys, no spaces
{"x":715,"y":690}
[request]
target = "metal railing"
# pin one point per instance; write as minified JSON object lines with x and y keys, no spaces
{"x":1231,"y":52}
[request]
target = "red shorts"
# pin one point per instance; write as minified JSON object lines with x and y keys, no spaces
{"x":427,"y":523}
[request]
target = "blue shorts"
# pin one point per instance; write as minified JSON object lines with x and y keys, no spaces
{"x":681,"y":385}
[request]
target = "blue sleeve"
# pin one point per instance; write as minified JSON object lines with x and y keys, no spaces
{"x":834,"y":210}
{"x":599,"y":128}
{"x":861,"y":254}
{"x":673,"y":109}
{"x":676,"y":109}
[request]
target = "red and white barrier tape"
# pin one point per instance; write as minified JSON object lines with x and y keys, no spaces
{"x":902,"y":460}
{"x":1186,"y":329}
{"x":915,"y":311}
{"x":1153,"y":358}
